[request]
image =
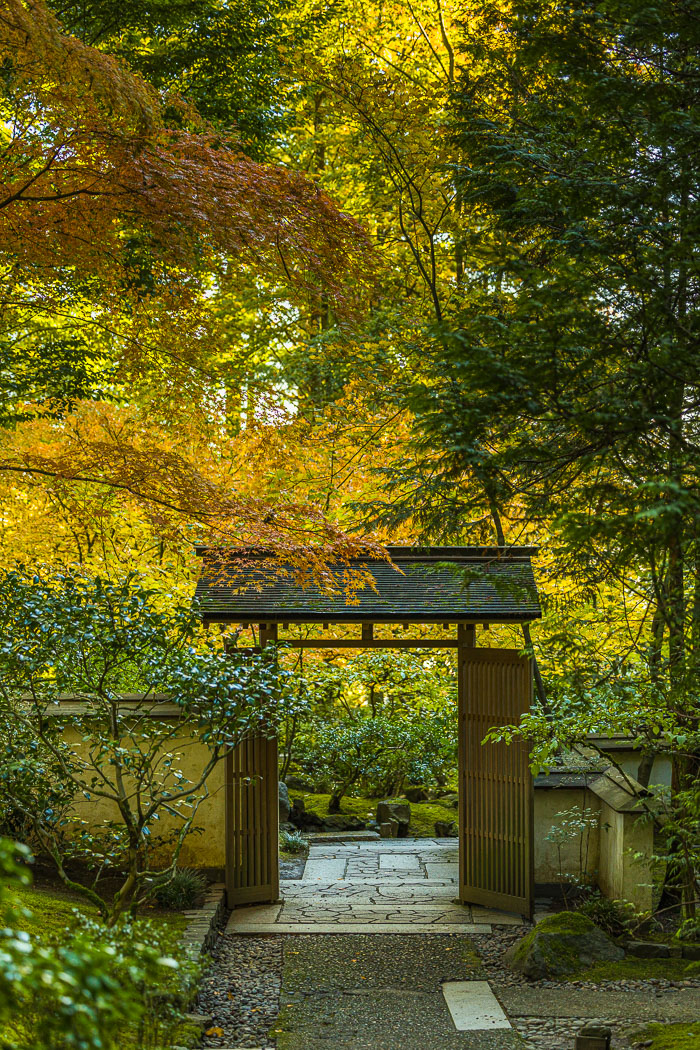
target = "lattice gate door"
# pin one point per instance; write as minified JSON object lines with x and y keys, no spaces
{"x":252,"y":811}
{"x":496,"y":796}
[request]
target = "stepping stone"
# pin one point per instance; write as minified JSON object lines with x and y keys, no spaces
{"x":473,"y":1006}
{"x":442,"y":871}
{"x":324,"y":870}
{"x":345,"y":928}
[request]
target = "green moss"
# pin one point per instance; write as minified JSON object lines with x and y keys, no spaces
{"x":670,"y":1036}
{"x":563,"y":957}
{"x":423,"y":814}
{"x":52,"y":915}
{"x":630,"y":969}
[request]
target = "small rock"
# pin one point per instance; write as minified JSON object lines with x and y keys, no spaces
{"x":400,"y":811}
{"x":445,"y":829}
{"x":648,"y":950}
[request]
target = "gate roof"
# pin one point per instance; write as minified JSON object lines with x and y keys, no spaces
{"x":418,"y":585}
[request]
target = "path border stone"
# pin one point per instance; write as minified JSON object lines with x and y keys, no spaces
{"x":204,"y":923}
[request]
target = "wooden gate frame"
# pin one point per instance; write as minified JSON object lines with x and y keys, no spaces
{"x":268,"y":861}
{"x":498,"y":850}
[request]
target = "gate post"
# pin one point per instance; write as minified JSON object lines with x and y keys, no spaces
{"x":466,"y":639}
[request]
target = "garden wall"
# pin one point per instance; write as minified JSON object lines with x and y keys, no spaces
{"x":615,"y":853}
{"x":605,"y":850}
{"x":204,"y":846}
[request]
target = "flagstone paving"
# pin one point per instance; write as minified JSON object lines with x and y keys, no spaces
{"x":390,"y":885}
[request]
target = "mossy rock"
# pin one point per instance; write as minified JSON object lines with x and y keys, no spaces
{"x":560,"y":945}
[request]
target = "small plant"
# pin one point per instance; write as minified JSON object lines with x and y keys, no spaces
{"x":577,"y":822}
{"x":614,"y":917}
{"x":181,"y":890}
{"x":292,"y":842}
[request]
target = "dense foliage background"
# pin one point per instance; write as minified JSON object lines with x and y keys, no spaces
{"x":316,"y":277}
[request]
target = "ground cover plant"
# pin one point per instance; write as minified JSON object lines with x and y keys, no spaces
{"x":676,"y":1036}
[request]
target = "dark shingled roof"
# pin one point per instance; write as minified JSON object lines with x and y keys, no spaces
{"x":424,"y":585}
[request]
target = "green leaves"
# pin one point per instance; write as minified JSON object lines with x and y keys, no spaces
{"x":88,"y":773}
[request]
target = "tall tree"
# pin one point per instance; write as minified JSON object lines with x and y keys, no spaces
{"x":571,"y":378}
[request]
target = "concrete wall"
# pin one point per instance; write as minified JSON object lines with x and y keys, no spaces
{"x":623,"y":832}
{"x":623,"y":875}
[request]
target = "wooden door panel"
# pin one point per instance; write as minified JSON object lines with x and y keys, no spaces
{"x":252,"y":858}
{"x":496,"y":797}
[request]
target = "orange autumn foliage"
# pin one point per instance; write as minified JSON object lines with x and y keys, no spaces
{"x":92,"y":154}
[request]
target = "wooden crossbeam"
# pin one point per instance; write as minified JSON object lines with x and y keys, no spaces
{"x":345,"y":643}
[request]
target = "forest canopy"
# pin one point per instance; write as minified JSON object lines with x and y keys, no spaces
{"x":321,"y":277}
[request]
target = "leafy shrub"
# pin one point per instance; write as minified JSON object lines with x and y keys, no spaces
{"x":78,"y":996}
{"x":689,"y":930}
{"x":292,"y":842}
{"x":180,"y":890}
{"x":614,"y":917}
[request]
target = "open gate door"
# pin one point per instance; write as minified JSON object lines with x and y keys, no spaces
{"x":495,"y":783}
{"x":252,"y":816}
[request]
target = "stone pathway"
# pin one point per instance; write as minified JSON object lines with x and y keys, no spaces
{"x":381,"y":992}
{"x":293,"y":987}
{"x":386,"y":886}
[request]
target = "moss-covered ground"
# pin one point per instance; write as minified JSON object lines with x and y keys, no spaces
{"x":423,"y":814}
{"x":49,"y":917}
{"x":669,"y":1036}
{"x":52,"y":916}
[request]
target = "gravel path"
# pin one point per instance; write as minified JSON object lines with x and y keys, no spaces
{"x":241,"y":991}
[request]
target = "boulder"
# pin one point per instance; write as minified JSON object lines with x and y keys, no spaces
{"x":400,"y":811}
{"x":417,"y":794}
{"x":343,"y":822}
{"x":690,"y":951}
{"x":560,"y":945}
{"x":283,"y":802}
{"x":648,"y":950}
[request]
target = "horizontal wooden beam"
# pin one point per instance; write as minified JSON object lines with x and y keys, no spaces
{"x":345,"y":643}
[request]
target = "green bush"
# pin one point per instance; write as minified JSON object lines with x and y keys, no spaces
{"x":85,"y":994}
{"x":182,"y":889}
{"x":614,"y":917}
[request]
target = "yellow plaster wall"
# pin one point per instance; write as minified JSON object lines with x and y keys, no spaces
{"x":203,"y":849}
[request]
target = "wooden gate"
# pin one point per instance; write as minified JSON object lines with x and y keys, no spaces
{"x":252,"y":813}
{"x":495,"y":783}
